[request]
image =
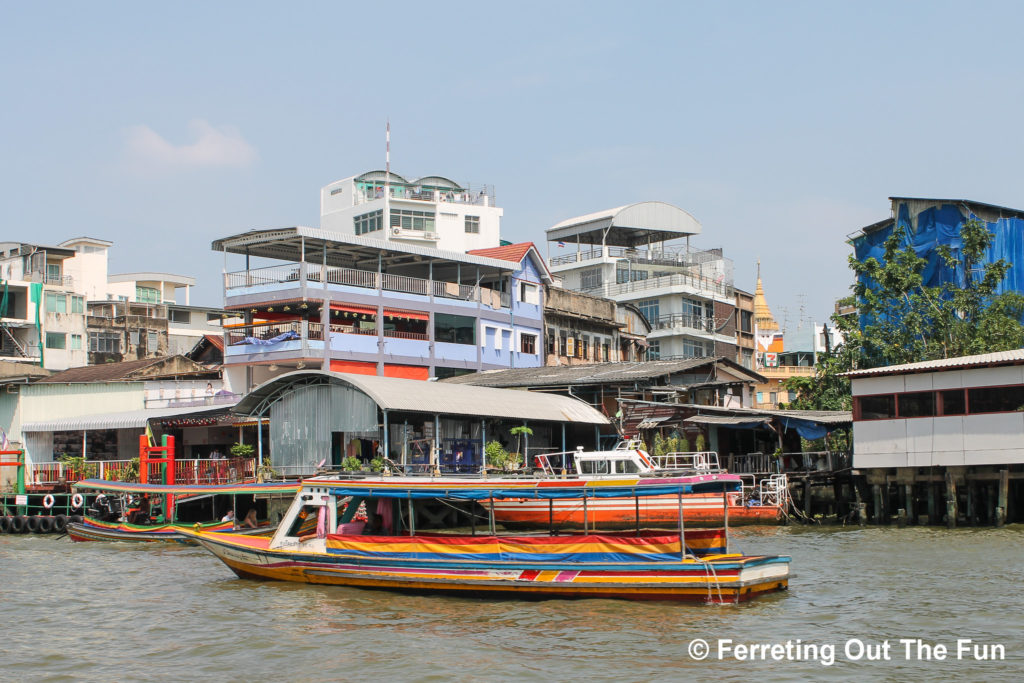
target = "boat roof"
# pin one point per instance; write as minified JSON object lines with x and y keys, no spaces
{"x":482,"y":489}
{"x":185,"y":489}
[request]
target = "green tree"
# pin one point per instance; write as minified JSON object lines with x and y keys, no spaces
{"x":906,"y":321}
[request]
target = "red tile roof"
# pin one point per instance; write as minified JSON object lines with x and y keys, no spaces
{"x":511,"y":252}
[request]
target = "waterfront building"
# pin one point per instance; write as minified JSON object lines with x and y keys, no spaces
{"x":746,"y":345}
{"x":363,"y":305}
{"x":640,"y":254}
{"x":954,"y":423}
{"x":87,"y":316}
{"x":931,"y":224}
{"x":584,"y":329}
{"x":432,"y":211}
{"x":99,"y":412}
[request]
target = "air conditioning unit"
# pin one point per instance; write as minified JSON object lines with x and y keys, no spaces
{"x":396,"y":231}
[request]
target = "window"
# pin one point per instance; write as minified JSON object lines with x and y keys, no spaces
{"x":369,"y":222}
{"x":456,"y":329}
{"x":593,"y":467}
{"x":746,"y":321}
{"x":563,"y":345}
{"x":412,"y":220}
{"x":748,"y":359}
{"x":528,"y":343}
{"x":179,"y":315}
{"x":552,"y":348}
{"x":760,"y":397}
{"x":152,"y":340}
{"x":586,"y":348}
{"x":147,"y":295}
{"x":590,"y":279}
{"x":529,"y":293}
{"x":133,"y":337}
{"x":626,"y":467}
{"x":473,"y":224}
{"x":53,"y":273}
{"x":654,"y":350}
{"x":917,"y":404}
{"x":76,"y":342}
{"x":56,"y":303}
{"x":953,"y":402}
{"x":77,"y":304}
{"x":213,"y":317}
{"x":650,"y":308}
{"x":56,"y":340}
{"x":876,"y":407}
{"x":995,"y":399}
{"x":105,"y":342}
{"x":606,"y":352}
{"x":694,"y":349}
{"x":773,"y":397}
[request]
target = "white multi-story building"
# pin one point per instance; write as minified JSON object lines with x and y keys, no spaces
{"x":431,"y":211}
{"x":624,"y":254}
{"x":86,"y":315}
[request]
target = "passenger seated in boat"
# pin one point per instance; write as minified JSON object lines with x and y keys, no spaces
{"x":140,"y":515}
{"x":250,"y":520}
{"x":229,"y":517}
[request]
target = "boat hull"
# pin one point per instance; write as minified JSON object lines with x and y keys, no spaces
{"x":133,"y":533}
{"x":720,"y":578}
{"x":699,"y":510}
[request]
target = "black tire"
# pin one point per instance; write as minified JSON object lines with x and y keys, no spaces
{"x":60,"y":523}
{"x":5,"y":524}
{"x":45,"y":525}
{"x":77,"y":519}
{"x":32,"y":524}
{"x":18,"y":524}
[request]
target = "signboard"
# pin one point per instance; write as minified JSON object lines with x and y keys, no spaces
{"x":771,"y":360}
{"x":21,"y":500}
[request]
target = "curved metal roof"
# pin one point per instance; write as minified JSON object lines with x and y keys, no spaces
{"x":438,"y":181}
{"x":627,"y":226}
{"x":411,"y":395}
{"x":381,"y":175}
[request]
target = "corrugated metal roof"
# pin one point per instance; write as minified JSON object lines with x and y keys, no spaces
{"x":1014,"y":357}
{"x":597,"y":373}
{"x":133,"y":419}
{"x":286,"y":243}
{"x":146,"y":368}
{"x":394,"y":394}
{"x":725,"y":420}
{"x":628,"y":226}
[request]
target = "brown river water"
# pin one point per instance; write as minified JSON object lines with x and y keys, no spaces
{"x":118,"y":612}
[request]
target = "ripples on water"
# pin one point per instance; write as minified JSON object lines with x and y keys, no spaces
{"x":105,"y":612}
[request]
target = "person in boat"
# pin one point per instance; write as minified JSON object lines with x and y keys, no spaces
{"x":250,"y":520}
{"x":229,"y":517}
{"x":140,"y":515}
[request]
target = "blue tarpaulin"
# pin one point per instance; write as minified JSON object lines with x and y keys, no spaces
{"x":284,"y":336}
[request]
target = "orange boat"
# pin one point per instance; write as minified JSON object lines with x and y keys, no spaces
{"x":759,"y":502}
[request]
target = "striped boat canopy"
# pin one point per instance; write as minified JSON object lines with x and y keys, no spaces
{"x":478,"y":492}
{"x":183,"y":489}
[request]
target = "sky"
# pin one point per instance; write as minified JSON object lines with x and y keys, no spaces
{"x":782,"y":127}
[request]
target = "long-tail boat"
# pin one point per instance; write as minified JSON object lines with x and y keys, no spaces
{"x":763,"y":503}
{"x":317,"y":542}
{"x":172,"y":507}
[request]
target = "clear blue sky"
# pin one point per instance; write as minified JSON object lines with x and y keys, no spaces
{"x":782,"y":127}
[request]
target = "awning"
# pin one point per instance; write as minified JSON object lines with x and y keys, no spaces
{"x":411,"y":315}
{"x":747,"y":422}
{"x":649,"y":422}
{"x":134,"y":419}
{"x":354,"y":308}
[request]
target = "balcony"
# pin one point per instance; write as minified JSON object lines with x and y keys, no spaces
{"x":313,"y":332}
{"x":482,"y":195}
{"x":365,"y":279}
{"x":668,"y":256}
{"x":679,"y":321}
{"x":701,"y":285}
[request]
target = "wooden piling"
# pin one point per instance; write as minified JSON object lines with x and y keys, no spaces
{"x":972,"y":502}
{"x":876,"y":491}
{"x":951,"y":511}
{"x":807,"y":499}
{"x":931,"y":502}
{"x":1001,"y":498}
{"x":908,"y":496}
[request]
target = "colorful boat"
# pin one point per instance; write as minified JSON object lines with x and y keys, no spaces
{"x":317,"y":543}
{"x":760,"y":502}
{"x":174,"y":507}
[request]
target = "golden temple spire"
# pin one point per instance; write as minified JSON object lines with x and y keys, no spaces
{"x":763,"y":317}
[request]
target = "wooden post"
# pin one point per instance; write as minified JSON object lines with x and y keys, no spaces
{"x":1004,"y":490}
{"x":909,"y":504}
{"x":551,"y":516}
{"x":490,"y":515}
{"x":877,"y":491}
{"x":931,"y":501}
{"x":972,"y":502}
{"x":808,"y":498}
{"x":636,"y":502}
{"x":412,"y":516}
{"x":682,"y":530}
{"x":951,"y":511}
{"x":725,"y":510}
{"x":585,"y":521}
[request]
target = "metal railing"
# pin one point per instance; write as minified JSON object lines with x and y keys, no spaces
{"x":368,"y":280}
{"x":722,"y":287}
{"x":693,"y":322}
{"x":699,"y":461}
{"x":197,"y":471}
{"x":668,"y":256}
{"x":478,"y":196}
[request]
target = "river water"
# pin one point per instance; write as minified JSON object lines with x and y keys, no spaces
{"x":105,"y":612}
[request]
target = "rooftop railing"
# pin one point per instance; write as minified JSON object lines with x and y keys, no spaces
{"x":367,"y":279}
{"x":477,"y":196}
{"x":721,"y":287}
